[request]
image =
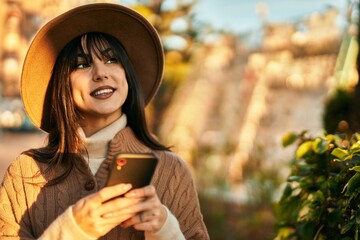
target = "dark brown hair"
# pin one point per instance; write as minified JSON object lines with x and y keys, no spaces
{"x":64,"y":143}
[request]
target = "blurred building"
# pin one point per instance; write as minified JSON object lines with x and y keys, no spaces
{"x":315,"y":34}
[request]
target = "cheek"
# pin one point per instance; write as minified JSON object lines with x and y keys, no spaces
{"x":125,"y":89}
{"x":78,"y":82}
{"x":75,"y":89}
{"x":122,"y":82}
{"x":72,"y":82}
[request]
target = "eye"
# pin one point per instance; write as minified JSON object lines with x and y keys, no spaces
{"x":82,"y":65}
{"x":82,"y":62}
{"x":112,"y":60}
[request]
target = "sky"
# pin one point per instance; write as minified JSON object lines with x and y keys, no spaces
{"x":241,"y":15}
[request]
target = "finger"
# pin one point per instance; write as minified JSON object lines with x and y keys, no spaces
{"x":146,"y":221}
{"x":147,"y":216}
{"x":148,"y":191}
{"x":130,"y":206}
{"x":149,"y":200}
{"x":153,"y":220}
{"x":120,"y":206}
{"x":108,"y":193}
{"x":137,"y":219}
{"x":156,"y":213}
{"x":118,"y":219}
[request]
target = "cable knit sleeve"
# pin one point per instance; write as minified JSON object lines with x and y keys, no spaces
{"x":14,"y":222}
{"x":15,"y":201}
{"x":176,"y":184}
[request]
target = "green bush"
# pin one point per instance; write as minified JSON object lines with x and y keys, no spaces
{"x":321,"y":198}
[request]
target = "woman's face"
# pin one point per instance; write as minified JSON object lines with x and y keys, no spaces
{"x":99,"y":86}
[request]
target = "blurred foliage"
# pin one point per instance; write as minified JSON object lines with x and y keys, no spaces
{"x":178,"y":43}
{"x":227,"y":220}
{"x":321,"y":198}
{"x":227,"y":216}
{"x":262,"y":182}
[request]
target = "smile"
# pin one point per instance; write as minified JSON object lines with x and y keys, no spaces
{"x":102,"y":92}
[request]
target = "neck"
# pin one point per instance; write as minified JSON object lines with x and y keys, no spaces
{"x":91,"y":125}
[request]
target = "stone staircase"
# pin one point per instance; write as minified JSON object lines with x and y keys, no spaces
{"x":235,"y":104}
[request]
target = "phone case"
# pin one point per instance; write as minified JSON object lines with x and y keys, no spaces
{"x":134,"y":168}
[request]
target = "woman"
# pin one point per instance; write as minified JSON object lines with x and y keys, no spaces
{"x":86,"y":79}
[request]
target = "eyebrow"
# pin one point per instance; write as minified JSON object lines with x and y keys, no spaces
{"x":106,"y":51}
{"x":87,"y":56}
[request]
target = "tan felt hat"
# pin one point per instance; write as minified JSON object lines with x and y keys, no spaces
{"x":137,"y":35}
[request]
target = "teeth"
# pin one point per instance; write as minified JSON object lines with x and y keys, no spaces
{"x":103,"y":91}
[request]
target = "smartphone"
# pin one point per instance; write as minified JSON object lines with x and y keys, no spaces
{"x":134,"y":168}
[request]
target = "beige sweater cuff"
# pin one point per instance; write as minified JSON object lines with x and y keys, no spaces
{"x":64,"y":227}
{"x":170,"y":229}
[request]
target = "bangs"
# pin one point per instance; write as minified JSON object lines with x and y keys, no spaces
{"x":96,"y":44}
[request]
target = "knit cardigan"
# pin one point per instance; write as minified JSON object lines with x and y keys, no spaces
{"x":27,"y":207}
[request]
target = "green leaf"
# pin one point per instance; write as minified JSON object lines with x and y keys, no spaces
{"x":352,"y":184}
{"x":320,"y":146}
{"x":288,"y":139}
{"x":303,"y":149}
{"x":294,"y":179}
{"x":347,"y":227}
{"x":285,"y":232}
{"x":330,"y":137}
{"x":287,"y":192}
{"x":303,"y":213}
{"x":320,"y":180}
{"x":356,"y":168}
{"x":357,"y":136}
{"x":348,"y":157}
{"x":355,"y":147}
{"x":333,"y":217}
{"x":319,"y":196}
{"x":340,"y":153}
{"x":308,"y":230}
{"x":357,"y":219}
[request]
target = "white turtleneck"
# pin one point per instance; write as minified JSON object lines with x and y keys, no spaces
{"x":97,"y":144}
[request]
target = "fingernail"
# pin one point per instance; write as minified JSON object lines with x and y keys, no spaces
{"x":131,"y":194}
{"x":126,"y":186}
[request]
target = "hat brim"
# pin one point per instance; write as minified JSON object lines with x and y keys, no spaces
{"x":137,"y":35}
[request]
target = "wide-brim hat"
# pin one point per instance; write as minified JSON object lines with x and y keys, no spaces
{"x":136,"y":34}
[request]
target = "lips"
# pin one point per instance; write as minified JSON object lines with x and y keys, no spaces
{"x":102,"y":92}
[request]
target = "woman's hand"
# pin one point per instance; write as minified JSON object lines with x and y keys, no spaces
{"x":98,"y":213}
{"x":151,"y":215}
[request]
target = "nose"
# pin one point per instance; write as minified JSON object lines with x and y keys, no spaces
{"x":99,"y":70}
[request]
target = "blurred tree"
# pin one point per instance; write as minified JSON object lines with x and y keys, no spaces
{"x":342,"y":110}
{"x":355,"y":106}
{"x":174,"y":22}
